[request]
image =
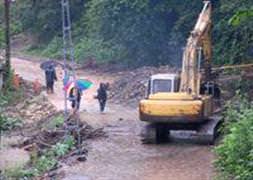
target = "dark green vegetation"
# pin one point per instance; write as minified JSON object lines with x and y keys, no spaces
{"x":235,"y":153}
{"x":134,"y":32}
{"x":15,"y":27}
{"x":7,"y":123}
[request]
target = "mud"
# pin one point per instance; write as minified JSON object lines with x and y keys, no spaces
{"x":12,"y":158}
{"x":123,"y":156}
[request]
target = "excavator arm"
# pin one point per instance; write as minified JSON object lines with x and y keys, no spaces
{"x":198,"y":42}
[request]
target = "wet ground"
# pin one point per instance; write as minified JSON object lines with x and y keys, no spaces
{"x":121,"y":155}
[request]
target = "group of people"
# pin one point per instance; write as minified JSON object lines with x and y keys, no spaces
{"x":75,"y":94}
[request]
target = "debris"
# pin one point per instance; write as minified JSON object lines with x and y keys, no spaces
{"x":130,"y":87}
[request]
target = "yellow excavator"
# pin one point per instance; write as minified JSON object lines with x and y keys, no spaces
{"x":185,"y":101}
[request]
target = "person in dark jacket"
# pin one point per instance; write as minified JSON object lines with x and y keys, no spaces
{"x":50,"y":78}
{"x":75,"y":98}
{"x":102,"y":95}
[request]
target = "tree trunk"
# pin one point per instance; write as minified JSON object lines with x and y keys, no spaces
{"x":7,"y":40}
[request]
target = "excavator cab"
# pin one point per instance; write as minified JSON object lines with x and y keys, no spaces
{"x":162,"y":83}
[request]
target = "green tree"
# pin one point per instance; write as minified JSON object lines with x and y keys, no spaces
{"x":43,"y":18}
{"x":232,"y":44}
{"x":137,"y":32}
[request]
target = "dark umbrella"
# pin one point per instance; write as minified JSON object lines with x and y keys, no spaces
{"x":46,"y":64}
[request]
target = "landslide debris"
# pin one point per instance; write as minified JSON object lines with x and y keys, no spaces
{"x":130,"y":86}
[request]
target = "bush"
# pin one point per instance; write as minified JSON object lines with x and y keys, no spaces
{"x":45,"y":163}
{"x":62,"y":148}
{"x":235,"y":153}
{"x":56,"y":122}
{"x":7,"y":123}
{"x":234,"y":109}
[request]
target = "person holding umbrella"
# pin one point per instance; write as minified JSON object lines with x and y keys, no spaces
{"x":50,"y":73}
{"x":74,"y":90}
{"x":75,"y":98}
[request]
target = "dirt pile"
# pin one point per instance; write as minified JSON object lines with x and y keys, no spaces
{"x":30,"y":107}
{"x":36,"y":109}
{"x":131,"y":86}
{"x":232,"y":81}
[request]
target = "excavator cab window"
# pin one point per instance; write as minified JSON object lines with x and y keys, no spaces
{"x":162,"y":85}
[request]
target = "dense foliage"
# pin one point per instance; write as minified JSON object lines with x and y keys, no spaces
{"x":233,"y":44}
{"x":235,"y":154}
{"x":136,"y":32}
{"x":1,"y":26}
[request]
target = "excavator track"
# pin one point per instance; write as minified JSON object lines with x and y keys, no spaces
{"x":205,"y":133}
{"x":155,"y":134}
{"x":208,"y":132}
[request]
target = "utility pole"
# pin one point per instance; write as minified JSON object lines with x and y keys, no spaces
{"x":7,"y":66}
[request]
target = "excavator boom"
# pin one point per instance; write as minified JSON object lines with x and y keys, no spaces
{"x":199,"y":41}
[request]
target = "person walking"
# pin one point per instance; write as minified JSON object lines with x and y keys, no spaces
{"x":102,"y":95}
{"x":50,"y":78}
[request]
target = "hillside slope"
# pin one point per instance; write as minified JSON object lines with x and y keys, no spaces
{"x":139,"y":32}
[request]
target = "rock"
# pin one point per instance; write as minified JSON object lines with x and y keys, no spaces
{"x":81,"y":158}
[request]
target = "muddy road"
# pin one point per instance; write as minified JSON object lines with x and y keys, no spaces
{"x":121,"y":155}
